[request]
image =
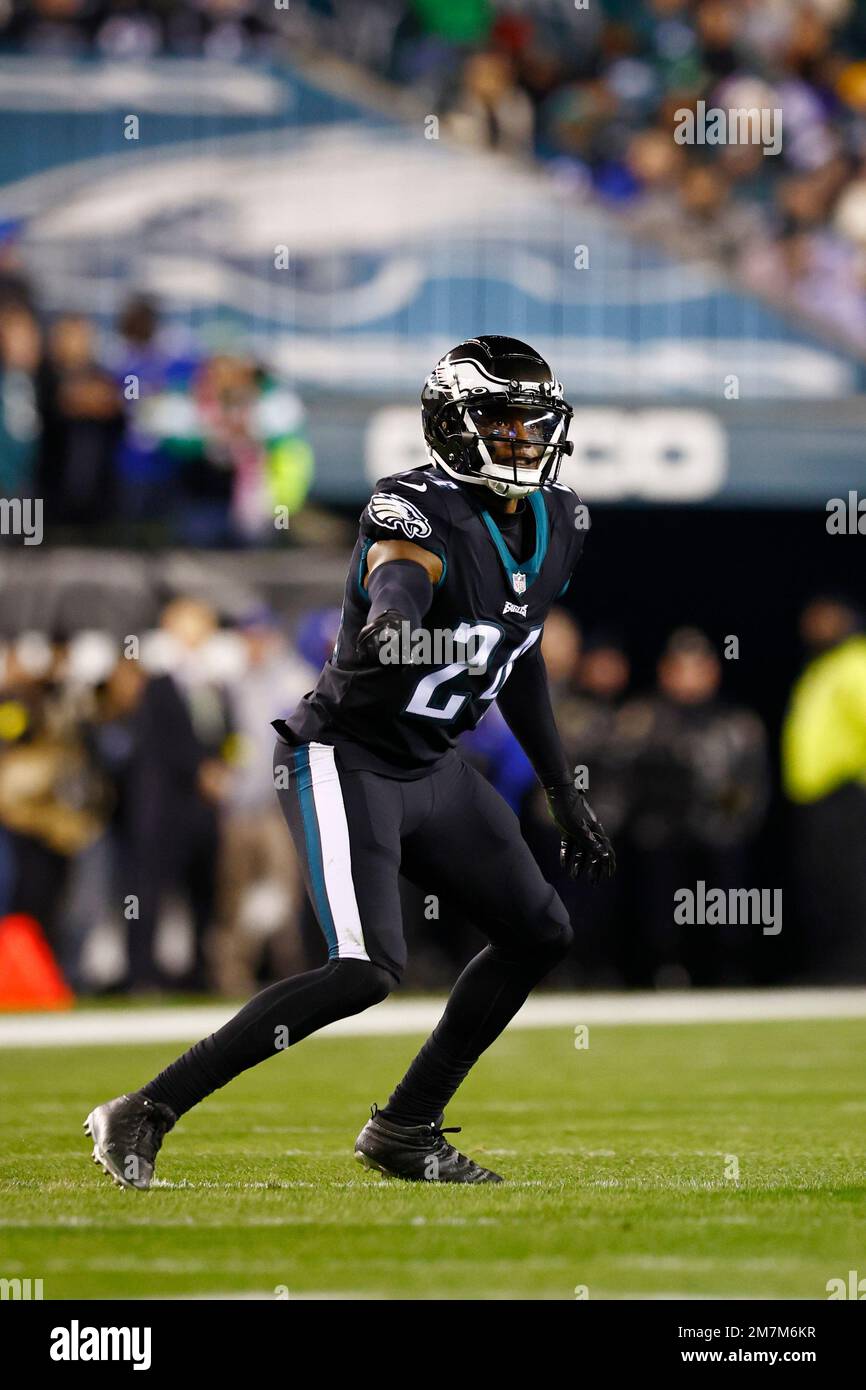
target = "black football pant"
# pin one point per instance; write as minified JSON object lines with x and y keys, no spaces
{"x":830,"y":874}
{"x":449,"y":832}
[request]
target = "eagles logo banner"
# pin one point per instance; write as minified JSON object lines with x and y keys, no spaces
{"x":398,"y":514}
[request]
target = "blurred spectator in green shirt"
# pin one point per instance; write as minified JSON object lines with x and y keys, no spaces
{"x":824,"y":775}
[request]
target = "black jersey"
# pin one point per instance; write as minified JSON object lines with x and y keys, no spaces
{"x":407,"y":716}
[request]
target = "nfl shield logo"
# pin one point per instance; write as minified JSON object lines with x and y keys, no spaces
{"x":519,"y":582}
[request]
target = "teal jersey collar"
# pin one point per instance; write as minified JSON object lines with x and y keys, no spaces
{"x":531,"y":570}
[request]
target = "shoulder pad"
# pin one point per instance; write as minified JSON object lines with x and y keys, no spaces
{"x":564,"y":502}
{"x":424,"y":479}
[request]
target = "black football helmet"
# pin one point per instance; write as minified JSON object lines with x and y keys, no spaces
{"x":493,"y":414}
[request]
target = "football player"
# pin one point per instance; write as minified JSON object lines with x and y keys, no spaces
{"x":478,"y":544}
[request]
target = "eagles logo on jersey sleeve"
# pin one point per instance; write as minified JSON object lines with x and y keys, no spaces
{"x":409,"y":507}
{"x":397,"y":513}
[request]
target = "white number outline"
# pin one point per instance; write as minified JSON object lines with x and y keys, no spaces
{"x":491,"y":635}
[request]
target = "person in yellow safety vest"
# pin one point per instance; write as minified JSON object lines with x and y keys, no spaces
{"x":824,"y":775}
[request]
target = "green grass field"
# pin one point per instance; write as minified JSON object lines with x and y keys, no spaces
{"x":615,"y":1159}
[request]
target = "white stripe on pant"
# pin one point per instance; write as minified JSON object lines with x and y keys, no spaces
{"x":336,"y":852}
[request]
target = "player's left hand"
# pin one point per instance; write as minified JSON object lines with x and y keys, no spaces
{"x":585,"y":847}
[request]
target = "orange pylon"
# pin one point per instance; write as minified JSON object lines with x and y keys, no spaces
{"x":30,"y":977}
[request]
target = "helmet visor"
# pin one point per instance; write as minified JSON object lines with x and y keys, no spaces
{"x":491,"y":437}
{"x":526,"y":424}
{"x":514,"y":435}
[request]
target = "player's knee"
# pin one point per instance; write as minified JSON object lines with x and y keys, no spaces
{"x":365,"y":982}
{"x":564,"y":939}
{"x":381,"y":982}
{"x":543,"y":940}
{"x":557,"y":935}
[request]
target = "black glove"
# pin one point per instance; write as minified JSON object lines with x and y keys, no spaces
{"x":373,"y":637}
{"x":585,"y":846}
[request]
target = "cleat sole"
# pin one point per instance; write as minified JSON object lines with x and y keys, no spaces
{"x":367,"y":1162}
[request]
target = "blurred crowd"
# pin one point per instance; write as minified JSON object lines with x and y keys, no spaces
{"x":148,"y":436}
{"x":592,"y":89}
{"x":684,"y":780}
{"x":135,"y":29}
{"x":137,"y":808}
{"x":135,"y":781}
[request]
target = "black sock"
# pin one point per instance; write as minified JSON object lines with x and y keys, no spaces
{"x":281,"y":1015}
{"x":488,"y":994}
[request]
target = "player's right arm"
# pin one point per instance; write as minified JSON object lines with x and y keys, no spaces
{"x":383,"y":552}
{"x":400,"y":574}
{"x":400,"y":578}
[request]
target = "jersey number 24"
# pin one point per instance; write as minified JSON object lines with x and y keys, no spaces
{"x":482,"y":639}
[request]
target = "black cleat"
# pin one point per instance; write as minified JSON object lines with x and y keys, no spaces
{"x":418,"y":1153}
{"x":127,"y":1134}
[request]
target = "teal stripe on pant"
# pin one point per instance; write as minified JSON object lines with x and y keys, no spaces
{"x":313,"y":838}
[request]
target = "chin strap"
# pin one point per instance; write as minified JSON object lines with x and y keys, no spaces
{"x":511,"y":489}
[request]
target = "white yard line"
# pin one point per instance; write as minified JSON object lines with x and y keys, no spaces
{"x":395,"y":1018}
